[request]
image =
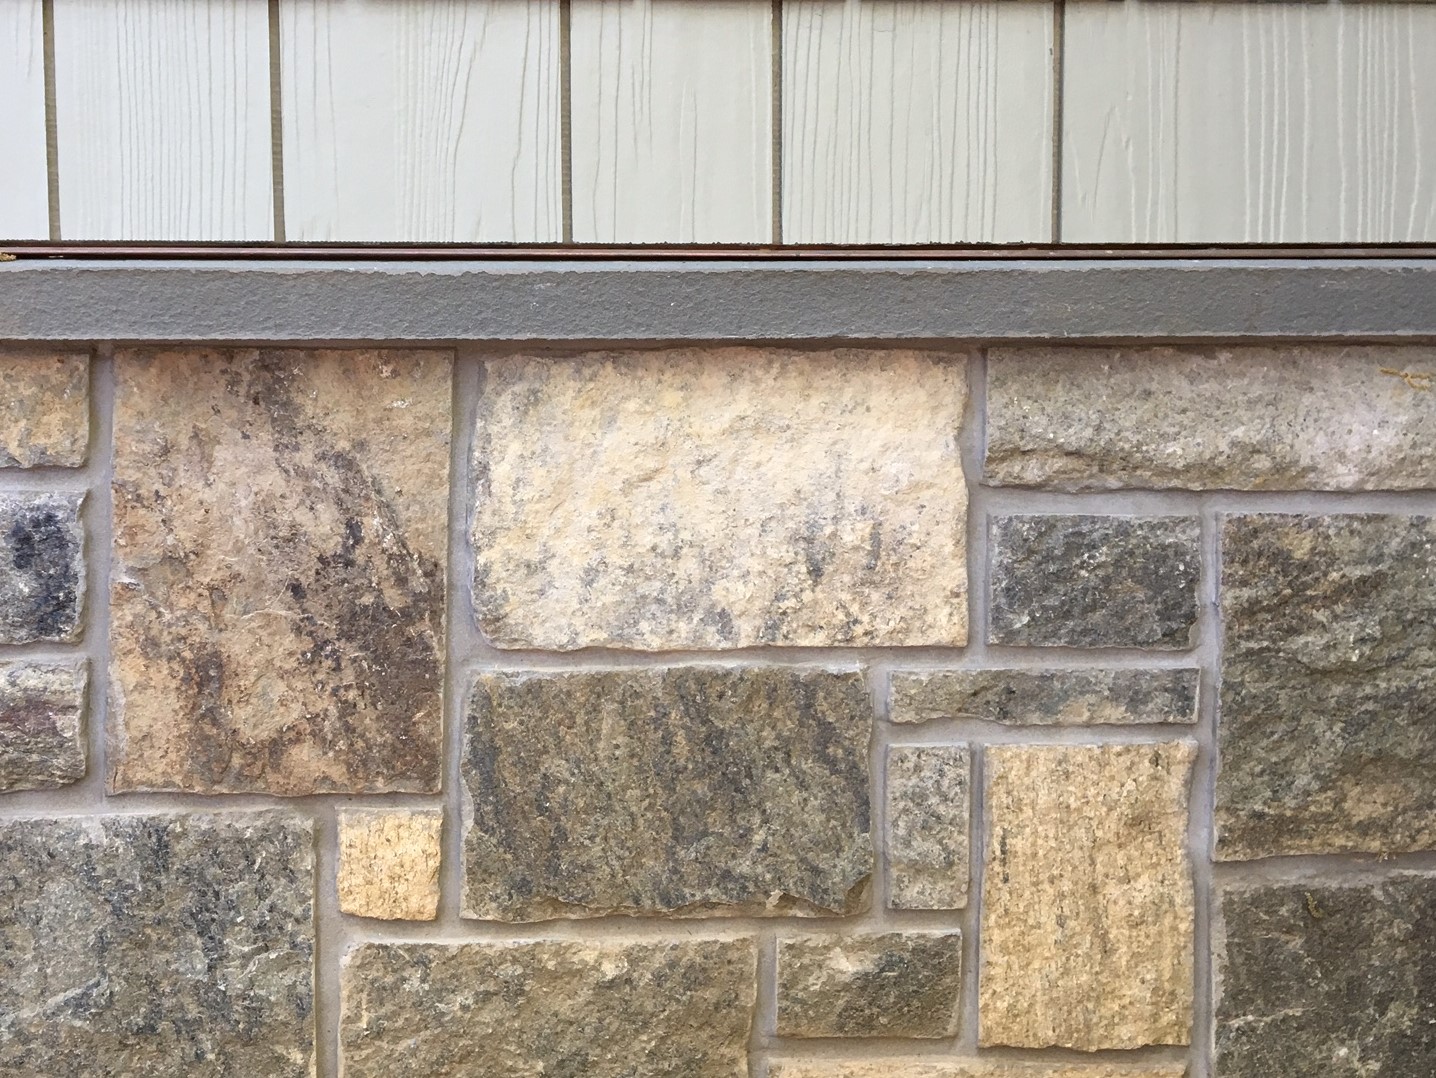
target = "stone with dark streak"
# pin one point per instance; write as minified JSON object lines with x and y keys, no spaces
{"x":695,"y":789}
{"x":1047,"y":697}
{"x":42,"y":567}
{"x":42,"y":733}
{"x":157,"y":946}
{"x":278,"y":583}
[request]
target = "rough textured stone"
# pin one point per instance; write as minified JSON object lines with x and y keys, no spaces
{"x":42,"y":567}
{"x":157,"y":946}
{"x":1336,"y":979}
{"x":929,"y":1068}
{"x":1327,"y":733}
{"x":42,"y":730}
{"x":1094,"y":581}
{"x":278,"y":586}
{"x":662,"y":1009}
{"x":44,"y":409}
{"x":1047,"y":697}
{"x":720,"y":498}
{"x":927,"y":821}
{"x":389,"y":863}
{"x":1328,"y":417}
{"x":1087,"y":915}
{"x":898,"y":984}
{"x":688,"y":789}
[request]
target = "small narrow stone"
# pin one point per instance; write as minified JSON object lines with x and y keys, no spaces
{"x":42,"y":567}
{"x":898,"y":984}
{"x":927,"y":821}
{"x":664,"y":1009}
{"x":929,"y":1068}
{"x":389,"y":863}
{"x":44,"y":409}
{"x":1047,"y":697}
{"x":1094,"y":581}
{"x":42,"y":733}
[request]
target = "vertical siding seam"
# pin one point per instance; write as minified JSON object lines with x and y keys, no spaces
{"x":276,"y":120}
{"x":52,"y":125}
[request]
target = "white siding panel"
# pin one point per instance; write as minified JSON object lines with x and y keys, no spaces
{"x":672,"y":118}
{"x":432,"y":121}
{"x":909,"y":121}
{"x":1249,"y":123}
{"x":24,"y":187}
{"x":163,"y":118}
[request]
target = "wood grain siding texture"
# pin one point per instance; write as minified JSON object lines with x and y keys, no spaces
{"x":24,"y":201}
{"x":162,"y":109}
{"x":916,"y":122}
{"x":421,"y":122}
{"x":672,"y":116}
{"x":1199,"y":122}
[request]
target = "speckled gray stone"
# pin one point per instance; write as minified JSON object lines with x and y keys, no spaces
{"x":157,"y":946}
{"x":897,"y":984}
{"x":559,"y":1009}
{"x":1327,"y":731}
{"x":927,"y":826}
{"x":42,"y":567}
{"x":42,"y":731}
{"x":1094,"y":581}
{"x":1332,"y":978}
{"x":1046,"y":697}
{"x":682,"y":789}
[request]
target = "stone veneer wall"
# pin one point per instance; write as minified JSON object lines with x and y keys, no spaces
{"x":1010,"y":713}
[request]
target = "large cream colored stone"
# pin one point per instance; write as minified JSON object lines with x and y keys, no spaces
{"x":44,"y":409}
{"x":1087,"y":910}
{"x":721,"y":498}
{"x":928,"y":1068}
{"x":389,"y":863}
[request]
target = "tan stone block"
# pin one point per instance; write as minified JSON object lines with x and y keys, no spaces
{"x":1087,"y":913}
{"x":927,"y":1068}
{"x":277,"y":597}
{"x":389,"y":863}
{"x":44,"y":409}
{"x":721,"y":498}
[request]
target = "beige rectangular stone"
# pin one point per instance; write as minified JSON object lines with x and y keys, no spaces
{"x":44,"y":409}
{"x":721,"y":498}
{"x":389,"y":863}
{"x":1087,"y":911}
{"x":928,"y":1068}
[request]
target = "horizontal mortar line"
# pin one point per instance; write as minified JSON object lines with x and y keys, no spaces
{"x":71,"y":802}
{"x":652,"y":928}
{"x":798,"y":1049}
{"x":1128,"y":501}
{"x":45,"y":652}
{"x":592,"y":660}
{"x":45,"y":481}
{"x":859,"y":1049}
{"x":1070,"y":657}
{"x":1306,"y":867}
{"x":938,"y":733}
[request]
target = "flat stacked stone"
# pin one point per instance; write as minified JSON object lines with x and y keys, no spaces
{"x":42,"y":730}
{"x":1046,"y":697}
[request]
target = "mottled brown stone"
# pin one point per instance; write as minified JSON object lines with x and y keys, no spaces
{"x":928,"y":1068}
{"x":278,"y":585}
{"x":927,"y":819}
{"x":42,"y":567}
{"x":42,"y":733}
{"x":675,"y":790}
{"x":1087,"y":910}
{"x":44,"y":409}
{"x":664,"y":1009}
{"x":389,"y":863}
{"x":1047,"y":697}
{"x":897,"y":984}
{"x":721,"y":498}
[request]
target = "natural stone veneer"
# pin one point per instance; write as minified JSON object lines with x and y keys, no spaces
{"x":927,"y":819}
{"x":603,"y":1009}
{"x":42,"y":567}
{"x":1334,"y":979}
{"x":898,"y":984}
{"x":1094,"y":581}
{"x":1327,"y":732}
{"x":1251,"y":418}
{"x":42,"y":735}
{"x":929,"y":1068}
{"x":389,"y":863}
{"x":278,"y":586}
{"x":157,"y":945}
{"x":44,"y":409}
{"x":1047,"y":697}
{"x":1087,"y":912}
{"x":721,"y":498}
{"x":688,"y":789}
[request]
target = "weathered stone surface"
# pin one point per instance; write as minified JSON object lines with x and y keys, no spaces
{"x":687,"y":789}
{"x":720,"y":498}
{"x":278,"y":586}
{"x":42,"y":567}
{"x":1327,"y":733}
{"x":1327,"y":417}
{"x":1330,"y":979}
{"x":42,"y":733}
{"x":1087,"y":915}
{"x":157,"y":945}
{"x":927,"y":822}
{"x":661,"y":1009}
{"x":1094,"y":581}
{"x":1047,"y":697}
{"x":897,"y":984}
{"x":929,"y":1068}
{"x":389,"y":863}
{"x":44,"y":409}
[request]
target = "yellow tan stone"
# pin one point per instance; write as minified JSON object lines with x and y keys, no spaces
{"x":926,"y":1068}
{"x":389,"y":864}
{"x":44,"y":409}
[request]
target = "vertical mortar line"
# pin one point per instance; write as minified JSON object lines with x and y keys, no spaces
{"x":765,"y":1008}
{"x":777,"y":121}
{"x":276,"y":119}
{"x":52,"y":121}
{"x":565,"y":83}
{"x":1059,"y":60}
{"x":971,"y":941}
{"x":330,"y":940}
{"x":99,"y":535}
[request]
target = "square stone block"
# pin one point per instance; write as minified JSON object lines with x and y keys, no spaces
{"x":389,"y":863}
{"x":44,"y":409}
{"x":42,"y":567}
{"x":42,"y":728}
